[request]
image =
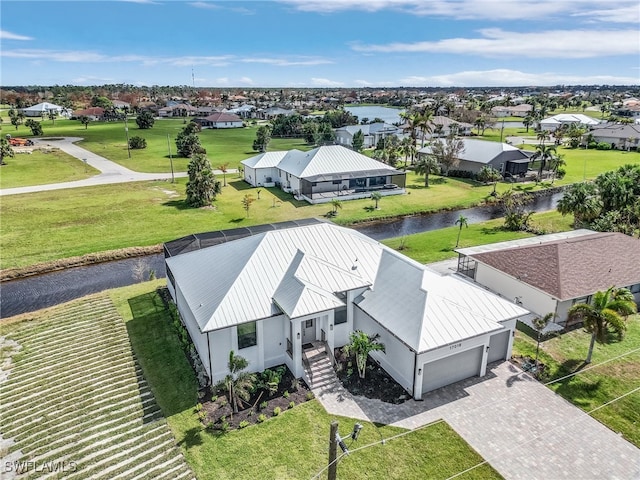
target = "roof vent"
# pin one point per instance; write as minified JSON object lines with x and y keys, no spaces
{"x":355,"y":264}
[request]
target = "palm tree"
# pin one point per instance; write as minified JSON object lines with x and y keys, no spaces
{"x":424,"y":124}
{"x":426,"y":165}
{"x":539,"y":324}
{"x":607,"y":310}
{"x":583,"y":201}
{"x":360,"y":346}
{"x":335,"y":205}
{"x":237,"y":383}
{"x":544,"y":153}
{"x":376,"y":196}
{"x":462,"y":221}
{"x":223,"y":168}
{"x":527,"y":122}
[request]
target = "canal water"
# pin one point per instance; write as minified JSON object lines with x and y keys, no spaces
{"x":41,"y":291}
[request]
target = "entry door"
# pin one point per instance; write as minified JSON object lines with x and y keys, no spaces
{"x":308,"y":331}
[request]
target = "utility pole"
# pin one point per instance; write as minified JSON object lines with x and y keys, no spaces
{"x":126,"y":130}
{"x":333,"y":446}
{"x":170,"y":159}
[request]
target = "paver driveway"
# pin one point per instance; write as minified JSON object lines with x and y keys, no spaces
{"x":522,"y":428}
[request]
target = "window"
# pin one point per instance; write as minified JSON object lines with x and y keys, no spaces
{"x":308,"y":323}
{"x":247,"y":335}
{"x":340,"y":316}
{"x":635,"y":288}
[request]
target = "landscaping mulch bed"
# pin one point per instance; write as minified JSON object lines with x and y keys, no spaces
{"x":377,"y":383}
{"x":216,"y":412}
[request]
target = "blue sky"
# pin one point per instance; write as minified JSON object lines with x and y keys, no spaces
{"x":321,"y":43}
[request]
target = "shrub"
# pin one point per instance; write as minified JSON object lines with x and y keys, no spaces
{"x":310,"y":396}
{"x":295,"y":384}
{"x":137,"y":143}
{"x":592,"y":144}
{"x":261,"y":418}
{"x":276,"y":411}
{"x":263,"y":405}
{"x":224,"y":426}
{"x":461,"y":174}
{"x":603,"y":146}
{"x":286,"y":394}
{"x":292,"y":404}
{"x":243,"y":424}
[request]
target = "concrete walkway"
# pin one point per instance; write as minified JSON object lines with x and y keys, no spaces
{"x":111,"y":172}
{"x":522,"y":428}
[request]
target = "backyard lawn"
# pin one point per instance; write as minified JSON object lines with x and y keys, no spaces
{"x":564,"y":355}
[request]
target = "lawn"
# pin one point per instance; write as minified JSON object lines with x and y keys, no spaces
{"x":42,"y":167}
{"x":293,"y":445}
{"x":564,"y":355}
{"x":76,"y":397}
{"x":95,"y":219}
{"x":437,"y":245}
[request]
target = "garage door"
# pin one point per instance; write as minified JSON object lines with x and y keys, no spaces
{"x":498,"y":346}
{"x":451,"y":369}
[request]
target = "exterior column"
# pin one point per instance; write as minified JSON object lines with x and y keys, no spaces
{"x":297,"y":347}
{"x":483,"y":363}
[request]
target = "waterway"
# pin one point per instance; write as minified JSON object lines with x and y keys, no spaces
{"x":386,"y":114}
{"x":41,"y":291}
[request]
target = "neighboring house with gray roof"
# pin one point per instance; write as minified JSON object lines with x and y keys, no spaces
{"x":220,"y":120}
{"x":551,"y":273}
{"x":622,"y":137}
{"x":272,"y":112}
{"x":275,"y":288}
{"x":372,"y":132}
{"x":324,"y":173}
{"x":476,"y":154}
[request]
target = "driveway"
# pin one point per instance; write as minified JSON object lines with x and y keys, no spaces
{"x":111,"y":172}
{"x":522,"y":428}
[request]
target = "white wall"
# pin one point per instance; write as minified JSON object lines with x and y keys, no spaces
{"x":199,"y":339}
{"x":398,"y":359}
{"x":250,"y":175}
{"x":508,"y":287}
{"x":274,"y":340}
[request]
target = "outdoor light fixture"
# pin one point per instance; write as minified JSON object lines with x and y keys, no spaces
{"x":331,"y":326}
{"x":419,"y":371}
{"x":298,"y":335}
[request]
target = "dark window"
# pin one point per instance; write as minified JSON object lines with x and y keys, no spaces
{"x":337,"y":182}
{"x":247,"y":335}
{"x":340,"y":316}
{"x":308,"y":323}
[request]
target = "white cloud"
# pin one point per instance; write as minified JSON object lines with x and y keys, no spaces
{"x":287,"y":62}
{"x":222,"y":81}
{"x":90,"y":80}
{"x":495,"y":42}
{"x":246,"y":80}
{"x":205,"y":5}
{"x":511,"y":78}
{"x":481,"y":9}
{"x":325,"y":82}
{"x":4,"y":35}
{"x":363,"y":83}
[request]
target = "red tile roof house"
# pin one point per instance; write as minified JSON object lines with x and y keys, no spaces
{"x":551,"y":273}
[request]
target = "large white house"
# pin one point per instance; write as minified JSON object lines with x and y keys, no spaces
{"x":324,"y":173}
{"x":551,"y":124}
{"x":265,"y":291}
{"x":372,"y":132}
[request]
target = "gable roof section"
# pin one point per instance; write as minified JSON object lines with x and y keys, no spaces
{"x":330,"y":160}
{"x":223,"y":117}
{"x":570,"y":118}
{"x":426,"y":310}
{"x":573,"y":267}
{"x":484,"y":151}
{"x":265,"y":160}
{"x":235,"y":282}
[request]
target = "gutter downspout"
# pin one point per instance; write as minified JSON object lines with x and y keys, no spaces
{"x":209,"y":351}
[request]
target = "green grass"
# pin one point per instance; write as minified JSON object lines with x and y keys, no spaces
{"x":40,"y":168}
{"x":293,"y":445}
{"x":565,"y":354}
{"x":437,"y":245}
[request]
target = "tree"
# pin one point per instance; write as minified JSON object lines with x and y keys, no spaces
{"x":462,"y":221}
{"x":223,"y":168}
{"x":237,"y":383}
{"x":335,"y":205}
{"x":426,"y":165}
{"x":145,"y":120}
{"x":539,"y":324}
{"x":5,"y":150}
{"x":607,"y":311}
{"x":137,"y":143}
{"x":376,"y":197}
{"x":36,"y":127}
{"x":360,"y":345}
{"x":188,"y":144}
{"x":516,"y":218}
{"x":53,"y":115}
{"x":85,"y":121}
{"x":202,"y":186}
{"x":424,"y":124}
{"x":447,"y":152}
{"x":102,"y":102}
{"x":408,"y":150}
{"x":581,"y":200}
{"x":544,"y":153}
{"x":17,"y":118}
{"x":247,"y":200}
{"x":488,"y":174}
{"x":527,"y":122}
{"x":263,"y":137}
{"x":358,"y":141}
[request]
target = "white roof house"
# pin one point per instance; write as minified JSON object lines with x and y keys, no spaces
{"x":289,"y":285}
{"x":552,"y":123}
{"x":321,"y":174}
{"x":43,"y":108}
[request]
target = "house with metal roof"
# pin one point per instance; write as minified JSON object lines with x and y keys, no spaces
{"x":551,"y":273}
{"x":551,"y":124}
{"x":267,"y":291}
{"x":476,"y":154}
{"x":324,"y":173}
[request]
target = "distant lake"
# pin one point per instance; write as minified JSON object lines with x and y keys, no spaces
{"x":389,"y":115}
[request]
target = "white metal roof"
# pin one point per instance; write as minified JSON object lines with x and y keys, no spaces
{"x":481,"y":151}
{"x":426,"y":310}
{"x":265,"y":160}
{"x":327,"y":160}
{"x":572,"y":118}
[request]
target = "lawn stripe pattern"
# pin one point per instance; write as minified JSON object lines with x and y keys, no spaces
{"x":76,"y":394}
